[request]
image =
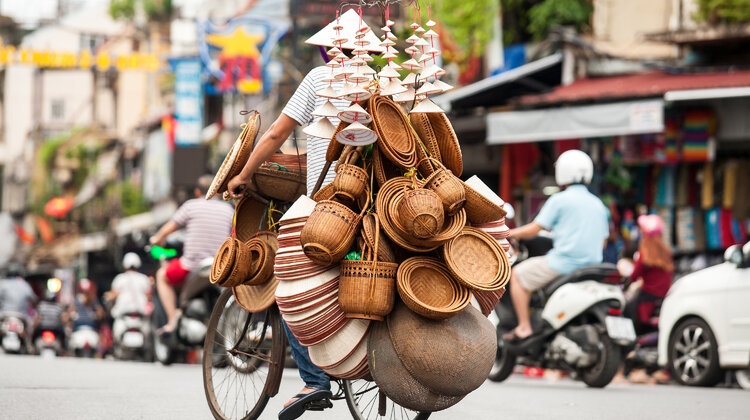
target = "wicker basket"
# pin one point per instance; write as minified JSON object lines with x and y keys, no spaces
{"x":421,"y":213}
{"x":477,"y":260}
{"x":397,"y":140}
{"x":371,"y":227}
{"x":367,"y":288}
{"x":330,"y":230}
{"x":447,"y":186}
{"x":232,"y":264}
{"x":351,"y":181}
{"x":479,"y":209}
{"x":280,"y":183}
{"x":426,"y":286}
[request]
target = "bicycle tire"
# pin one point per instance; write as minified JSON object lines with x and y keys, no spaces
{"x":357,"y":412}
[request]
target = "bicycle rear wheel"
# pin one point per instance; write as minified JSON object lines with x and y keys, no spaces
{"x":366,"y":402}
{"x":242,"y":359}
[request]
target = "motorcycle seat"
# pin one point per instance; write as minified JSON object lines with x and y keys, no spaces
{"x":596,"y":272}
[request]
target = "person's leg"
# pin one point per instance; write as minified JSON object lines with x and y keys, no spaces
{"x":521,"y":299}
{"x":168,"y":299}
{"x":526,"y":277}
{"x":314,"y":377}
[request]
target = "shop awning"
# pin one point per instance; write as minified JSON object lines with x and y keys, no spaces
{"x":535,"y":77}
{"x":700,"y":94}
{"x":574,"y":122}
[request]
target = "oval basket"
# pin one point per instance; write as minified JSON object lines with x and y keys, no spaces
{"x":351,"y":181}
{"x":330,"y":230}
{"x":477,"y":260}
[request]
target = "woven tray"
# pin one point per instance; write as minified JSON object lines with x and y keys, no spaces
{"x":477,"y":261}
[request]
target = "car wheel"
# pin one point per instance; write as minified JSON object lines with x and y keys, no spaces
{"x":693,"y":354}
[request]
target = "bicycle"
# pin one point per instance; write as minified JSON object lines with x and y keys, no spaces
{"x":244,"y":346}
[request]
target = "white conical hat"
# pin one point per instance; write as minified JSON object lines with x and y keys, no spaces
{"x":442,"y":85}
{"x":389,"y":73}
{"x":322,"y":129}
{"x":411,"y":50}
{"x":414,"y":25}
{"x":406,"y":96}
{"x":328,"y":92}
{"x":429,"y":71}
{"x":389,"y":22}
{"x":410,"y":79}
{"x":390,"y":36}
{"x":412,"y":65}
{"x":328,"y":109}
{"x":430,"y":34}
{"x":421,"y":42}
{"x":333,"y":52}
{"x":428,"y":88}
{"x":427,"y":105}
{"x":419,"y":30}
{"x":349,"y":23}
{"x":355,"y":113}
{"x":356,"y":134}
{"x":328,"y":79}
{"x":358,"y":77}
{"x":412,"y":39}
{"x":367,"y":70}
{"x":387,"y":43}
{"x":357,"y":93}
{"x":394,"y":65}
{"x":392,"y":88}
{"x":389,"y":55}
{"x":430,"y":23}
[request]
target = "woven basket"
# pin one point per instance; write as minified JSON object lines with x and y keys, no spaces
{"x":237,"y":156}
{"x":479,"y":209}
{"x":447,"y":186}
{"x":370,"y":228}
{"x":330,"y":230}
{"x":396,"y":138}
{"x":249,"y":217}
{"x":351,"y":181}
{"x":426,"y":286}
{"x":262,"y":269}
{"x":367,"y":288}
{"x":383,"y":168}
{"x":333,"y":153}
{"x":280,"y":183}
{"x":232,"y":264}
{"x":420,"y":122}
{"x":477,"y":260}
{"x":450,"y":149}
{"x":421,"y":213}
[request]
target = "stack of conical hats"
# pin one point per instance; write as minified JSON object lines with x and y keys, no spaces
{"x":430,"y":71}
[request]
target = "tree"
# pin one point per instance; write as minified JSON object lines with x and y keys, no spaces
{"x":716,"y":12}
{"x":550,"y":13}
{"x":469,"y":22}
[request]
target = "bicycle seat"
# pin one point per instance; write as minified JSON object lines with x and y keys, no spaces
{"x":597,"y":272}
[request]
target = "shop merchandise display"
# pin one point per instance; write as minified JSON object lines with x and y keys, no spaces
{"x":385,"y":272}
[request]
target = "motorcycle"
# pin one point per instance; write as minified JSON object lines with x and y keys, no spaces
{"x":83,"y":342}
{"x":131,"y":332}
{"x":196,"y":299}
{"x":578,"y":327}
{"x":13,"y":333}
{"x":48,"y":344}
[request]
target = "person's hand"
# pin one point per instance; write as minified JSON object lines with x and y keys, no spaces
{"x":238,"y":185}
{"x":156,"y":240}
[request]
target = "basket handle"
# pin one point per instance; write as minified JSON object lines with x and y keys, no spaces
{"x":433,"y":160}
{"x":366,"y":206}
{"x":349,"y":155}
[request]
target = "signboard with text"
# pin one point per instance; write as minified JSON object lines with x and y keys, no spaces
{"x":188,"y":106}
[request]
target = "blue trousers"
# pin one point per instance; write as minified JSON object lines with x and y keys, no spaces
{"x":313,"y":376}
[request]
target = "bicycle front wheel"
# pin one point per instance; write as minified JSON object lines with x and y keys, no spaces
{"x":366,"y":402}
{"x":241,"y":359}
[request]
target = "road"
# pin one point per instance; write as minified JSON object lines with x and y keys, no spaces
{"x":66,"y":388}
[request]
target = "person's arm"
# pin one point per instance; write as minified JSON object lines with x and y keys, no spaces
{"x":166,"y":230}
{"x":526,"y":231}
{"x":271,"y":141}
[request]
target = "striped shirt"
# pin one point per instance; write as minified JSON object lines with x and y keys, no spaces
{"x":207,"y":224}
{"x":299,"y":108}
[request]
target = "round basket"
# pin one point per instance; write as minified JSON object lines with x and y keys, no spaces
{"x":421,"y":213}
{"x":447,"y":186}
{"x":477,"y":260}
{"x":232,"y":264}
{"x":397,"y":139}
{"x":280,"y":183}
{"x":265,"y":245}
{"x":351,"y":181}
{"x":383,"y":168}
{"x":450,"y":149}
{"x":479,"y":209}
{"x":367,"y":289}
{"x":421,"y":123}
{"x":426,"y":286}
{"x":329,"y":232}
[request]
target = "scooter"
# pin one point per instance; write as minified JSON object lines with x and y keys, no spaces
{"x":196,"y":300}
{"x":48,"y":344}
{"x":578,"y":327}
{"x":13,"y":333}
{"x":83,"y":342}
{"x":132,"y":332}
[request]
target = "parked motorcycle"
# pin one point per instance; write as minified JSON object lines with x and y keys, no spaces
{"x":13,"y":333}
{"x":577,"y":322}
{"x":196,"y":299}
{"x":132,"y":337}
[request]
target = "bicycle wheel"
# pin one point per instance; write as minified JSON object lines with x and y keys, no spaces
{"x":242,"y":359}
{"x":366,"y":402}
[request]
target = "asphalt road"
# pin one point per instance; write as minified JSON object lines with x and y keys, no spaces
{"x":66,"y":388}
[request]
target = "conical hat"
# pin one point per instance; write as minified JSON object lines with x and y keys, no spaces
{"x":323,"y":128}
{"x":328,"y":92}
{"x":421,"y":42}
{"x":445,"y":87}
{"x":429,"y":71}
{"x":349,"y":23}
{"x":406,"y":96}
{"x":428,"y":89}
{"x":412,"y":65}
{"x":392,"y":88}
{"x":357,"y":93}
{"x":356,"y":134}
{"x":237,"y":156}
{"x":394,"y":65}
{"x":427,"y":106}
{"x":328,"y":109}
{"x":333,"y":52}
{"x":303,"y":207}
{"x":430,"y":23}
{"x":410,"y":79}
{"x":355,"y":113}
{"x":389,"y":73}
{"x":430,"y":34}
{"x":412,"y":39}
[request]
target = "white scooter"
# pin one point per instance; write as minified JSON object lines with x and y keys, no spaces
{"x":131,"y":332}
{"x":13,"y":332}
{"x":578,"y":327}
{"x":83,"y":342}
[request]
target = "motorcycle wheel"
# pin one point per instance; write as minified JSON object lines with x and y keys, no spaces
{"x":503,"y":366}
{"x":610,"y":359}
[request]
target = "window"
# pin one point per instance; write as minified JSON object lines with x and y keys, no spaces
{"x":57,"y":109}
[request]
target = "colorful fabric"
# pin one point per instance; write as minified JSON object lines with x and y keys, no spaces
{"x":707,"y":187}
{"x":713,"y":236}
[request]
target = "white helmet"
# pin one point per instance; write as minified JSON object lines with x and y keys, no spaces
{"x":131,"y":260}
{"x":573,"y":167}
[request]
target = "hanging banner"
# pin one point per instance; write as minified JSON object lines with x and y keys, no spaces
{"x":102,"y":61}
{"x":188,"y":104}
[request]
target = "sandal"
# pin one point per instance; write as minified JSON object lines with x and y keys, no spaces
{"x":512,"y":337}
{"x":297,"y":408}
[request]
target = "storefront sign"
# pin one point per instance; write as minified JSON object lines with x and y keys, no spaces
{"x":102,"y":61}
{"x":188,"y":106}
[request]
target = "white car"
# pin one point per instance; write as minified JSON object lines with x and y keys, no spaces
{"x":704,"y":324}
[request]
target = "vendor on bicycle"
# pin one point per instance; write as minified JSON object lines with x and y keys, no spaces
{"x":298,"y":111}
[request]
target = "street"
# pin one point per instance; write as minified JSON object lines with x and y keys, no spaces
{"x":67,"y":388}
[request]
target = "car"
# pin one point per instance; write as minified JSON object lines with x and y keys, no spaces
{"x":704,"y":324}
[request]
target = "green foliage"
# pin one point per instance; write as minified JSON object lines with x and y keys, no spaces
{"x":158,"y":10}
{"x":551,"y":13}
{"x":132,"y":199}
{"x":468,"y":21}
{"x":716,"y":12}
{"x":122,"y":9}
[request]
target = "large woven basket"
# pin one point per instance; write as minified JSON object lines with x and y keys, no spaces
{"x":421,"y":213}
{"x":479,"y":209}
{"x":351,"y":181}
{"x":420,"y":121}
{"x":264,"y":246}
{"x":477,"y":260}
{"x":450,"y":149}
{"x":427,"y":287}
{"x":330,"y":230}
{"x":383,"y":168}
{"x":447,"y":186}
{"x":280,"y":183}
{"x":232,"y":264}
{"x":397,"y":140}
{"x":367,"y":288}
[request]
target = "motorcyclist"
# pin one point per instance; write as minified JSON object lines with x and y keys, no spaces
{"x":207,"y":223}
{"x":578,"y":222}
{"x":16,"y":296}
{"x":130,"y":293}
{"x":86,"y":310}
{"x":50,"y":314}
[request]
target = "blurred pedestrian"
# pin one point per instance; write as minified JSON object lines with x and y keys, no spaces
{"x":16,"y":296}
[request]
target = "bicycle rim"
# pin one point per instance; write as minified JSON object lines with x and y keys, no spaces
{"x":366,"y":403}
{"x":236,"y":355}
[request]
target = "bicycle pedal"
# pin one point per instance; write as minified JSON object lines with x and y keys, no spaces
{"x":319,"y":405}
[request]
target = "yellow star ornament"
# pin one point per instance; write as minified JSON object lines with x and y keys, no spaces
{"x":237,"y":44}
